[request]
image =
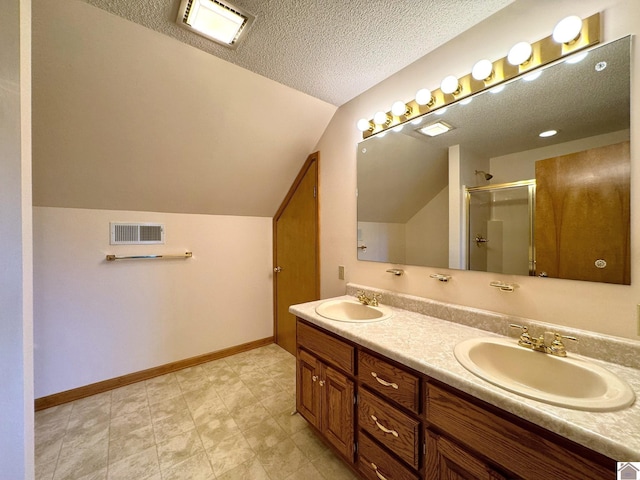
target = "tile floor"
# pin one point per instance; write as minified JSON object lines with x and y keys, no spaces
{"x":226,"y":419}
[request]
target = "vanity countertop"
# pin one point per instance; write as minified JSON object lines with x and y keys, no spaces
{"x":425,"y":344}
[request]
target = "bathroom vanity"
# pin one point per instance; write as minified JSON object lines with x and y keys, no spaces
{"x":392,"y":399}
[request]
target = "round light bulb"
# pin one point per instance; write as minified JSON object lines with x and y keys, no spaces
{"x":380,"y":118}
{"x":497,"y":89}
{"x":520,"y":53}
{"x":577,"y":58}
{"x":423,"y":96}
{"x":482,"y":70}
{"x":450,"y":85}
{"x":364,"y":125}
{"x":397,"y":128}
{"x":532,"y":76}
{"x":567,"y":30}
{"x":398,"y":108}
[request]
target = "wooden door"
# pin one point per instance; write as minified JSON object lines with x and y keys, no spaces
{"x":308,"y":400}
{"x":338,"y":411}
{"x":582,"y":220}
{"x":446,"y":460}
{"x":296,"y":252}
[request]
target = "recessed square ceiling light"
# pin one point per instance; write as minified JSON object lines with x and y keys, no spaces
{"x":221,"y":22}
{"x":435,"y":129}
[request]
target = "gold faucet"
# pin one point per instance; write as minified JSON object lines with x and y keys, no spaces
{"x":542,"y":344}
{"x":365,"y":300}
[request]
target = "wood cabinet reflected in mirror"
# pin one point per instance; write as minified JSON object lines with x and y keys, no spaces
{"x":413,"y":189}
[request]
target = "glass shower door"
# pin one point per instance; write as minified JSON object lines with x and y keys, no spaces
{"x":500,"y":228}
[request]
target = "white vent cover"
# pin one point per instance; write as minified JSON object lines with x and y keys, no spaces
{"x":136,"y":233}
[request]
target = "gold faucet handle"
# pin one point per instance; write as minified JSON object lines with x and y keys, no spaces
{"x":375,"y":298}
{"x":525,"y":337}
{"x":557,"y":346}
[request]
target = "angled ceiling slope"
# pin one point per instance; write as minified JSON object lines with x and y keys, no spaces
{"x":332,"y":49}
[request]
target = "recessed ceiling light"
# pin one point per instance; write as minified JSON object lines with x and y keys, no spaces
{"x":548,"y":133}
{"x":435,"y":129}
{"x":218,"y":21}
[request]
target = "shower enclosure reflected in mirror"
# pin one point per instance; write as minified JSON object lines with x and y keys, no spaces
{"x":412,"y":188}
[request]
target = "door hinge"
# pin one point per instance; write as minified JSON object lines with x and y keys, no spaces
{"x":315,"y":192}
{"x":355,"y":398}
{"x":355,"y":447}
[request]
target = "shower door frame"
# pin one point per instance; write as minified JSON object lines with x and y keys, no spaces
{"x":531,"y":192}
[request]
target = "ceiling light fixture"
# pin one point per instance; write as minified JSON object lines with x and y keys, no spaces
{"x":424,"y":97}
{"x":381,"y":118}
{"x":482,"y":70}
{"x":548,"y":133}
{"x":435,"y":129}
{"x":450,"y":85}
{"x":520,"y":53}
{"x":365,"y":125}
{"x":571,"y":35}
{"x":221,"y":22}
{"x":400,"y":108}
{"x":567,"y":30}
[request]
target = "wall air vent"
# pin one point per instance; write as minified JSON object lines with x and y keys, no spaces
{"x":136,"y":233}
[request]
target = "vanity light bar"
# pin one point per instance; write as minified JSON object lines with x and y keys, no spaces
{"x":543,"y":52}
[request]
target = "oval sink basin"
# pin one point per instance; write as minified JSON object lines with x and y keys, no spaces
{"x":565,"y":381}
{"x":352,"y":311}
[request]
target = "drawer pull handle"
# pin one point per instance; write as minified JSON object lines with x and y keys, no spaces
{"x":383,"y":428}
{"x":383,"y":382}
{"x":375,"y":469}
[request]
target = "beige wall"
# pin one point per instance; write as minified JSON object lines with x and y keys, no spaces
{"x":98,"y":320}
{"x":16,"y":316}
{"x":609,"y":309}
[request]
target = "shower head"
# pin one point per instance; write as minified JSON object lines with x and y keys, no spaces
{"x":487,"y":176}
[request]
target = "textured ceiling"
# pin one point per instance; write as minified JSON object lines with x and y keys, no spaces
{"x":330,"y":49}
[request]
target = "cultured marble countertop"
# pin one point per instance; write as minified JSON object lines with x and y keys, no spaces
{"x":425,"y":344}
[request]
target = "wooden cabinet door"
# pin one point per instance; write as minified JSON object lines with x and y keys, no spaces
{"x":308,"y":393}
{"x":338,"y":410}
{"x":448,"y":461}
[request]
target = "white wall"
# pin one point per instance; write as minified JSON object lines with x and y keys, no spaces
{"x":599,"y":307}
{"x":427,"y":233}
{"x":97,"y":320}
{"x":16,"y":316}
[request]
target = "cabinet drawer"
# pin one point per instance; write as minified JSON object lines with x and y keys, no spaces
{"x":527,"y":453}
{"x":394,"y":429}
{"x":376,"y":464}
{"x":330,"y":349}
{"x":395,"y":383}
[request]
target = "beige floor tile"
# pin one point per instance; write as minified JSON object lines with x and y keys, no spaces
{"x":79,"y":463}
{"x":168,"y":427}
{"x":307,"y":472}
{"x":282,"y":460}
{"x":333,"y":468}
{"x":141,"y":466}
{"x":250,"y":470}
{"x":178,"y":449}
{"x":229,"y":453}
{"x":197,"y":467}
{"x":211,"y":433}
{"x":278,"y":403}
{"x":309,"y":443}
{"x":250,"y":416}
{"x":224,"y":420}
{"x":125,"y":445}
{"x":265,"y":435}
{"x":291,"y":423}
{"x":123,"y":425}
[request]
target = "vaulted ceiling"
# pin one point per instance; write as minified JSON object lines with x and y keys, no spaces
{"x":330,"y":49}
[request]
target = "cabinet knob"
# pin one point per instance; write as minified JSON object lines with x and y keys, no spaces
{"x":321,"y":383}
{"x":314,"y":378}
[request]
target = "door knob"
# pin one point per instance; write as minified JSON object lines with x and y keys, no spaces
{"x":277,"y":269}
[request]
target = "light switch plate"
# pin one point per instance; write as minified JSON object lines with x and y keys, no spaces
{"x":341,"y":275}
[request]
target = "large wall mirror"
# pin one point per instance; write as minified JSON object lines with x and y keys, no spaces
{"x":492,"y":194}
